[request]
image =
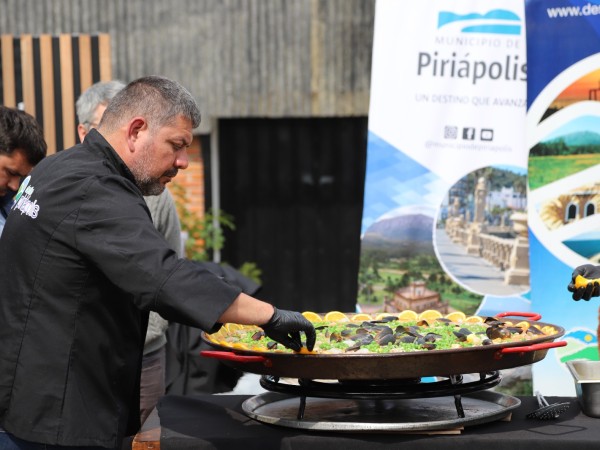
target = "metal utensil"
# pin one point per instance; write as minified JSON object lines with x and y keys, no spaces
{"x":546,"y":411}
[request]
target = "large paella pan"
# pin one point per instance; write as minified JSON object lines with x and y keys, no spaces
{"x":370,"y":347}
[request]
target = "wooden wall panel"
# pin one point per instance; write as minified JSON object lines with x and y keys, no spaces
{"x":104,"y":58}
{"x":27,"y":74}
{"x":69,"y":122}
{"x":8,"y":72}
{"x":44,"y":75}
{"x":85,"y":62}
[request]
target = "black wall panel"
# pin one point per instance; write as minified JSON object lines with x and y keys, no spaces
{"x":295,"y":189}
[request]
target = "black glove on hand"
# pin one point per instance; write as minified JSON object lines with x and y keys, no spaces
{"x":285,"y":327}
{"x":592,"y":289}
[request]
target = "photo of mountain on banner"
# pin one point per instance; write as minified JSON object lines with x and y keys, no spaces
{"x":475,"y":246}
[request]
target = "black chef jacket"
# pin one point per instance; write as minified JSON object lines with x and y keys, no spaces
{"x":81,"y":264}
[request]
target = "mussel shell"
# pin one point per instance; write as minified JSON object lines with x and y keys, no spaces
{"x":335,"y":337}
{"x":271,"y":345}
{"x":258,"y":335}
{"x":354,"y":347}
{"x":364,"y":339}
{"x":420,"y":340}
{"x":491,"y":320}
{"x":360,"y":341}
{"x":432,"y":337}
{"x":407,"y":339}
{"x":494,"y":323}
{"x":415,"y":331}
{"x":388,"y":319}
{"x":401,"y":329}
{"x":385,"y":339}
{"x":380,"y":328}
{"x":515,"y":330}
{"x":497,"y":332}
{"x":385,"y":330}
{"x":534,"y":330}
{"x":460,"y":336}
{"x":428,"y":346}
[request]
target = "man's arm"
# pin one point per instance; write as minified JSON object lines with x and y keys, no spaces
{"x":278,"y":324}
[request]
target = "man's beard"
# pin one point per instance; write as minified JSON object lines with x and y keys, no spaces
{"x":141,"y":172}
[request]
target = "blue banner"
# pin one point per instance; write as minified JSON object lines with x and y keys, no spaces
{"x":563,"y":139}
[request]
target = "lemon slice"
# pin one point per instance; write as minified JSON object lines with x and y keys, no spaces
{"x":240,"y":346}
{"x":581,"y":281}
{"x":548,"y":330}
{"x":361,"y":317}
{"x":456,"y":316}
{"x":336,"y":316}
{"x":232,"y":327}
{"x":430,"y":314}
{"x":523,"y":325}
{"x":305,"y":351}
{"x":381,"y":316}
{"x":407,"y":315}
{"x":473,"y":319}
{"x":312,"y":316}
{"x":214,"y":337}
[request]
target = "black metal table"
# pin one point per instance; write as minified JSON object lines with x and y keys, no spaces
{"x":218,"y":422}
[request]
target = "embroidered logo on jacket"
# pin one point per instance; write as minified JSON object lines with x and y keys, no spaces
{"x":23,"y":201}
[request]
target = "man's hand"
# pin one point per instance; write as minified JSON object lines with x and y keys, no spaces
{"x":592,"y":288}
{"x":285,"y":327}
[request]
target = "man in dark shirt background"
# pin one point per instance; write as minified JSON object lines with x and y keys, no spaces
{"x":22,"y":146}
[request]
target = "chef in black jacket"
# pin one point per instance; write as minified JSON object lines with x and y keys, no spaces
{"x":82,"y":264}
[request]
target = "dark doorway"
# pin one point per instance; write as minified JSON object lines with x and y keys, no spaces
{"x":295,"y":190}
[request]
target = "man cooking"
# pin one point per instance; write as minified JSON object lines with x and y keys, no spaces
{"x":82,"y":267}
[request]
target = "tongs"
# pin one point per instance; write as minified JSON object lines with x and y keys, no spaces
{"x":546,"y":411}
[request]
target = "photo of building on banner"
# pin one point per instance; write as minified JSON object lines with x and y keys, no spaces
{"x":563,"y":139}
{"x":445,"y":208}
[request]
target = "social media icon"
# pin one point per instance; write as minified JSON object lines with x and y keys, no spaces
{"x":468,"y":134}
{"x":487,"y":134}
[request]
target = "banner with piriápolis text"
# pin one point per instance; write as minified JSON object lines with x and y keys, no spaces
{"x":444,"y":218}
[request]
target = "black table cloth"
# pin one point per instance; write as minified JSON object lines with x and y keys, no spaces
{"x":218,"y":422}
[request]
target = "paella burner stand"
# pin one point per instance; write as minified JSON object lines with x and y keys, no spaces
{"x":382,"y":389}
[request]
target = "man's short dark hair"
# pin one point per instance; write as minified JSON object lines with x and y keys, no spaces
{"x":19,"y":130}
{"x":158,"y":99}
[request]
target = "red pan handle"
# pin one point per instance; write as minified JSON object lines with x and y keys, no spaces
{"x":529,"y":348}
{"x":230,"y":356}
{"x":532,"y":316}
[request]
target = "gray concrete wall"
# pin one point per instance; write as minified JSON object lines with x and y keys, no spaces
{"x":239,"y":58}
